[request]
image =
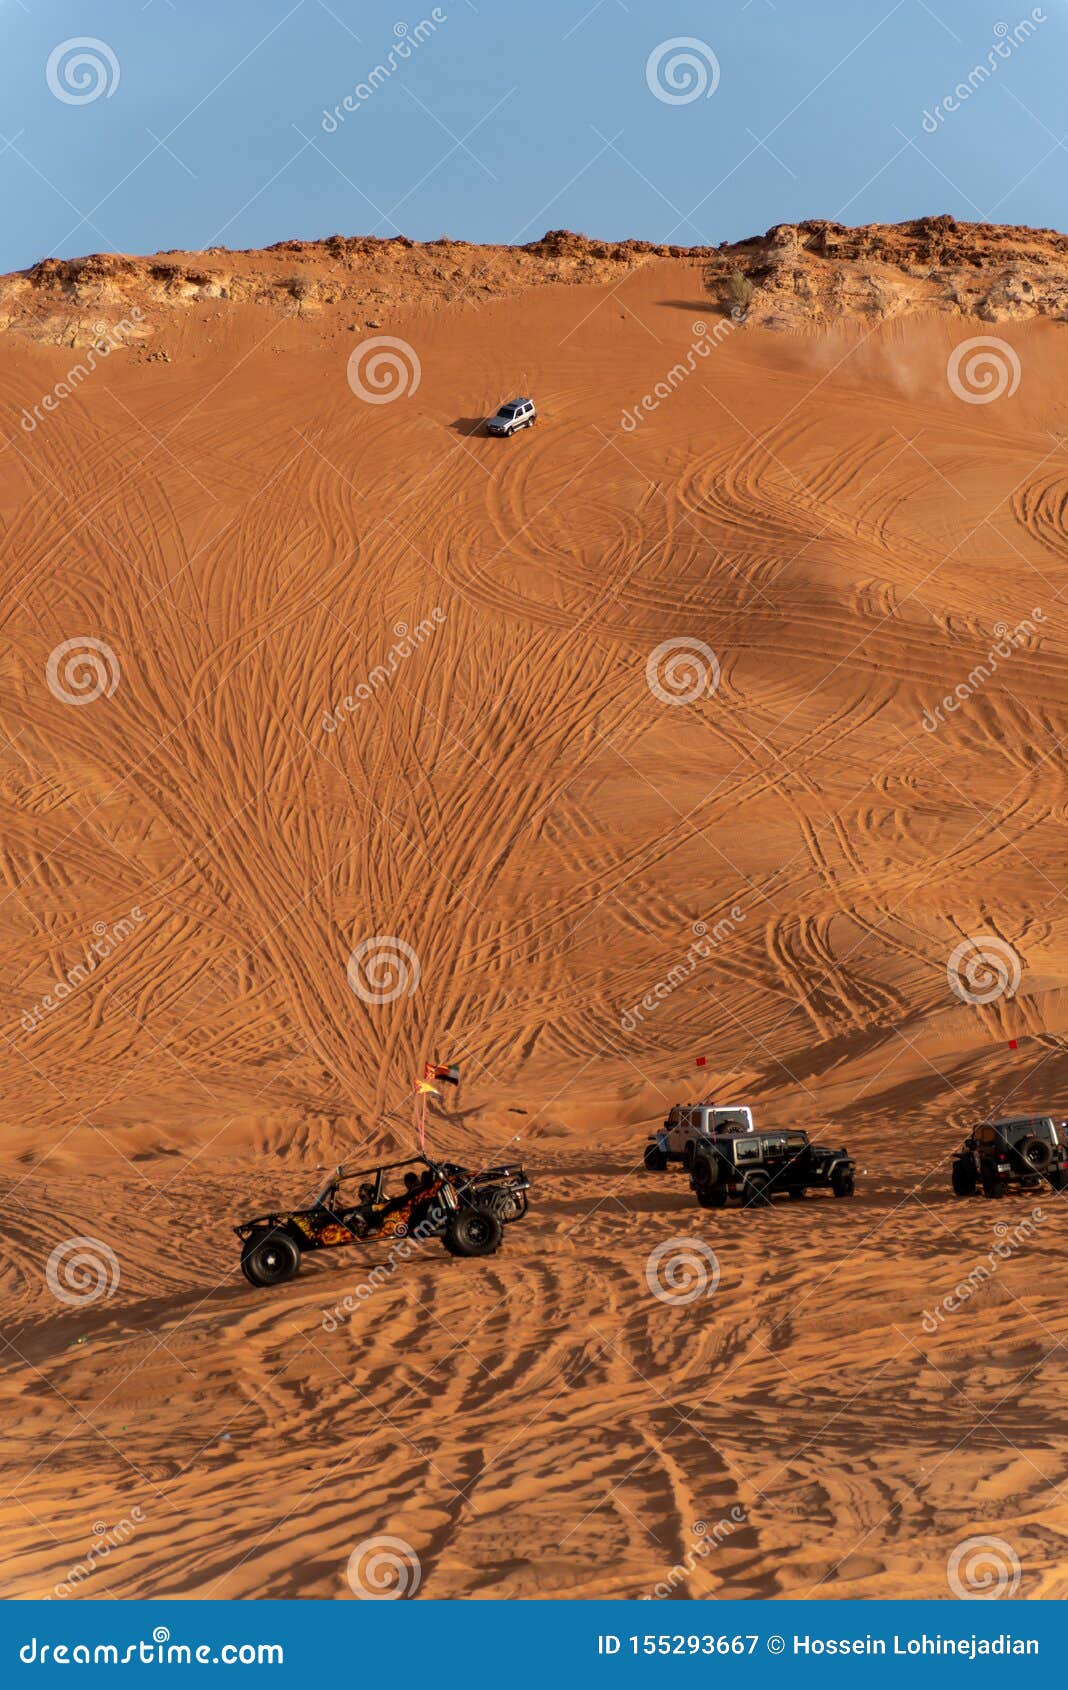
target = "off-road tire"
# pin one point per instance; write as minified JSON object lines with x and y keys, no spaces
{"x":991,"y":1184}
{"x":965,"y":1179}
{"x":711,"y":1194}
{"x":843,"y":1183}
{"x":472,"y":1231}
{"x":653,"y":1159}
{"x":687,"y":1158}
{"x":1034,"y":1154}
{"x":269,"y":1257}
{"x":756,"y":1191}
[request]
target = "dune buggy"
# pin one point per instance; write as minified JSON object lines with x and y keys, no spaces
{"x":466,"y":1210}
{"x":1018,"y":1152}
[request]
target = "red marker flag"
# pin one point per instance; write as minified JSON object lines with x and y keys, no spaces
{"x":1014,"y":1044}
{"x":702,"y":1061}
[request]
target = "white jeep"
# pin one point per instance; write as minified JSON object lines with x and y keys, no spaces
{"x":685,"y":1125}
{"x":516,"y":414}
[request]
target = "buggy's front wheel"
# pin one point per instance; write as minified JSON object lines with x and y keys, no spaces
{"x":472,"y":1232}
{"x":269,"y":1257}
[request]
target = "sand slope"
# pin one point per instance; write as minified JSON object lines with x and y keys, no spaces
{"x":509,"y":797}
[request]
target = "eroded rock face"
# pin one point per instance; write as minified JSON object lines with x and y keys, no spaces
{"x":814,"y":271}
{"x":794,"y":276}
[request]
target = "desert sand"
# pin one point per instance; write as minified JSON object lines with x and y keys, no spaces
{"x":602,"y":872}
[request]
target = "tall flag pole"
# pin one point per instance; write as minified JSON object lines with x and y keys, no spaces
{"x":424,"y":1088}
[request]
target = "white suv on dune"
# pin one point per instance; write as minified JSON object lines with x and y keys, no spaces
{"x":516,"y":414}
{"x":686,"y":1124}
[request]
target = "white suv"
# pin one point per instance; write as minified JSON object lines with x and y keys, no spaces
{"x":686,"y":1124}
{"x":516,"y":414}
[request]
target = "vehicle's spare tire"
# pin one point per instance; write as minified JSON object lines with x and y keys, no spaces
{"x":269,"y":1257}
{"x":1034,"y":1153}
{"x":472,"y":1231}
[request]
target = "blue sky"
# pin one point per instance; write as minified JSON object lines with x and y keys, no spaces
{"x":508,"y":117}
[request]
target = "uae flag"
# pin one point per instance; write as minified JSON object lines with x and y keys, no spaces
{"x":447,"y":1071}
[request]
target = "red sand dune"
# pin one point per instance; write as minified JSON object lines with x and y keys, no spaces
{"x":801,"y":491}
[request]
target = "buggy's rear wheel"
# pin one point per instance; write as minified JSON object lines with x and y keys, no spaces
{"x":269,"y":1257}
{"x":472,"y":1232}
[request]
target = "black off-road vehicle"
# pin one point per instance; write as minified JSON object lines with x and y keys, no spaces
{"x":1019,"y":1152}
{"x":752,"y":1168}
{"x":467,"y":1211}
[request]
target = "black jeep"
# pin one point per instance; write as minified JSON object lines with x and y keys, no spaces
{"x":1016,"y":1153}
{"x":755,"y":1167}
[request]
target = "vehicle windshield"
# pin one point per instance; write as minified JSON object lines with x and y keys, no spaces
{"x":508,"y":411}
